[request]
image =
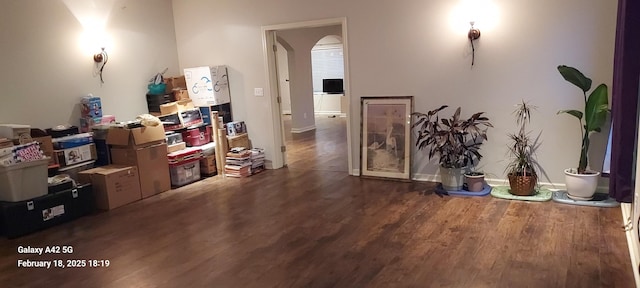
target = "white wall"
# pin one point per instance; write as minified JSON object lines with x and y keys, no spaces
{"x":45,"y":69}
{"x":300,"y":73}
{"x":283,"y":78}
{"x":412,"y":49}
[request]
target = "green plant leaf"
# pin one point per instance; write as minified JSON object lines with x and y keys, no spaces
{"x":575,"y":77}
{"x":575,"y":113}
{"x":597,"y":108}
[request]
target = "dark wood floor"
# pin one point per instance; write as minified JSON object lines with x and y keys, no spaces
{"x":300,"y":227}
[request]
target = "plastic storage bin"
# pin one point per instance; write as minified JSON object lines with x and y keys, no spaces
{"x":185,"y":172}
{"x":24,"y":181}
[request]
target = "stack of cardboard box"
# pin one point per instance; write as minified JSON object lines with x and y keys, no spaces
{"x":177,"y":86}
{"x":139,"y":168}
{"x":144,"y":148}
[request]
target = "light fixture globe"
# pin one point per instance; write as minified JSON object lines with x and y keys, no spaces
{"x":474,"y":33}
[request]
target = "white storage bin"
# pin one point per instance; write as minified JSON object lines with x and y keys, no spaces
{"x":185,"y":172}
{"x":23,"y":181}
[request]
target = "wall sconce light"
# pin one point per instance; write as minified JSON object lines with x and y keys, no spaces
{"x":101,"y":60}
{"x":474,"y":34}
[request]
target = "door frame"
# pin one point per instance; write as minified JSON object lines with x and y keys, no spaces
{"x":268,"y":42}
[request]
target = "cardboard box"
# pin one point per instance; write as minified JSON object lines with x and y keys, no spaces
{"x":46,"y":145}
{"x":176,"y":147}
{"x":181,"y":94}
{"x":113,"y":185}
{"x":152,"y":164}
{"x":208,"y":165}
{"x":208,"y":85}
{"x":177,"y":106}
{"x":175,"y":83}
{"x":5,"y":143}
{"x":75,"y":155}
{"x":241,"y":140}
{"x":136,"y":137}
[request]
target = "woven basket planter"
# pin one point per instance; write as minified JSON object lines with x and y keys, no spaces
{"x":522,"y":185}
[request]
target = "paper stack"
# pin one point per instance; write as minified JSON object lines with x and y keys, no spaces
{"x":257,"y":160}
{"x":238,"y":163}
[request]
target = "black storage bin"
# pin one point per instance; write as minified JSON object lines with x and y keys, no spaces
{"x":157,"y":100}
{"x":24,"y":217}
{"x":55,"y":133}
{"x":103,"y":153}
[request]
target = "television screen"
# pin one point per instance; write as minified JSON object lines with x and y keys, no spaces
{"x":332,"y":86}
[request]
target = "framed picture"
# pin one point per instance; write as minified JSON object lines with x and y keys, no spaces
{"x":386,"y":136}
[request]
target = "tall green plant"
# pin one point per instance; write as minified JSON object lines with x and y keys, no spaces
{"x":522,"y":148}
{"x":596,"y":107}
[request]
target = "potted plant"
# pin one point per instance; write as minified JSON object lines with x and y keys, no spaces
{"x":474,"y":180}
{"x":455,"y":141}
{"x":522,"y":168}
{"x":581,"y":181}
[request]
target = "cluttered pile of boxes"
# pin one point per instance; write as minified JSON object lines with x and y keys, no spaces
{"x":49,"y":177}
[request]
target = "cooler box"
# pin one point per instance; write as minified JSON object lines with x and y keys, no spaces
{"x":24,"y":181}
{"x":24,"y":217}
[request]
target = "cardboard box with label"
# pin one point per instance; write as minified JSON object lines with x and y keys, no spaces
{"x":135,"y":137}
{"x":208,"y":85}
{"x":113,"y":185}
{"x":152,"y":164}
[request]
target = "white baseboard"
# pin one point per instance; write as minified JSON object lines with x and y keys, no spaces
{"x":337,"y":113}
{"x":631,"y":242}
{"x":303,"y":129}
{"x":355,"y":172}
{"x":490,"y":181}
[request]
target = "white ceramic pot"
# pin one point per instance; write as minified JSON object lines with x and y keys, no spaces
{"x":475,"y":183}
{"x":581,"y":186}
{"x":451,"y":178}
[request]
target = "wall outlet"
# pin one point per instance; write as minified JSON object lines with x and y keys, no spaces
{"x":258,"y":92}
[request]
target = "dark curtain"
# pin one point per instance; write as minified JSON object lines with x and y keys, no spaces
{"x":626,"y":70}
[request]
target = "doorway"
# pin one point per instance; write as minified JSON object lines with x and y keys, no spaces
{"x":316,"y":140}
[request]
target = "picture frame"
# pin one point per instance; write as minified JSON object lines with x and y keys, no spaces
{"x":385,"y":138}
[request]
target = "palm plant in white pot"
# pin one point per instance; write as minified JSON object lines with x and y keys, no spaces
{"x":454,"y":140}
{"x":581,"y":181}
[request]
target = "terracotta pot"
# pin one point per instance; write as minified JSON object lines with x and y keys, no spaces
{"x":581,"y":186}
{"x":522,"y":185}
{"x":475,"y":183}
